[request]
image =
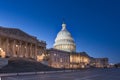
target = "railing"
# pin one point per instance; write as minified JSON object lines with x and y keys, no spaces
{"x":34,"y":73}
{"x":21,"y":76}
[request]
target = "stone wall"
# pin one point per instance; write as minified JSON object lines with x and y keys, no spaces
{"x":3,"y":62}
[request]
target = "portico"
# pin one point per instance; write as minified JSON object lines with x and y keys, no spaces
{"x":16,"y":43}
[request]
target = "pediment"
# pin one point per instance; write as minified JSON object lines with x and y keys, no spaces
{"x":17,"y":32}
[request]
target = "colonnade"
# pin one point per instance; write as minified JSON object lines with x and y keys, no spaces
{"x":65,"y":47}
{"x":17,"y":48}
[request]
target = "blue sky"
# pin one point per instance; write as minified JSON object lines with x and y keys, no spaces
{"x":94,"y":24}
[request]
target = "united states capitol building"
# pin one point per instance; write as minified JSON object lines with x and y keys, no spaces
{"x":16,"y":43}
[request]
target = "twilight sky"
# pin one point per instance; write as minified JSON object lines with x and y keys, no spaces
{"x":94,"y":24}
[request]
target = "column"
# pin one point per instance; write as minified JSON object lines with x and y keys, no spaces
{"x":36,"y":51}
{"x":19,"y":54}
{"x":7,"y":49}
{"x":31,"y":51}
{"x":21,"y":50}
{"x":14,"y":46}
{"x":0,"y":42}
{"x":26,"y":50}
{"x":13,"y":49}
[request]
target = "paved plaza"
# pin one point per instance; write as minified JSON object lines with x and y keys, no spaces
{"x":89,"y":74}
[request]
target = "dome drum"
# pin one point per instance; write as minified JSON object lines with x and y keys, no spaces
{"x":66,"y":47}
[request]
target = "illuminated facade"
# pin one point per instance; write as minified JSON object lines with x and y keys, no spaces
{"x":16,"y":43}
{"x":79,"y":60}
{"x":64,"y":40}
{"x":63,"y":59}
{"x":58,"y":58}
{"x":99,"y":62}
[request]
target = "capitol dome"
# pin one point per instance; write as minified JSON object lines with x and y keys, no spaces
{"x":64,"y":40}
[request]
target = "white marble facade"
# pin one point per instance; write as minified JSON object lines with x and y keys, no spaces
{"x":16,"y":43}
